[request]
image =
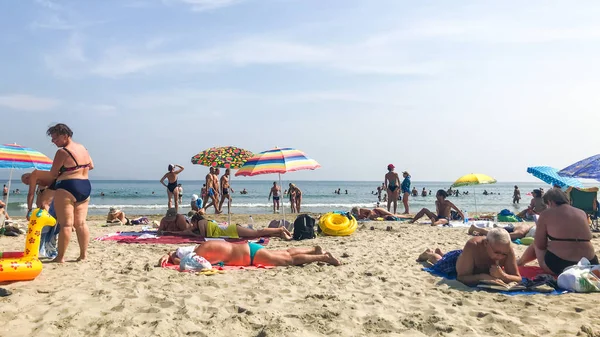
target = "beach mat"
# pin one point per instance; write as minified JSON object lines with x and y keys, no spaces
{"x":219,"y":267}
{"x":528,"y":272}
{"x":150,"y":237}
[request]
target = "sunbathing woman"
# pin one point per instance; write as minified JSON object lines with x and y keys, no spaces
{"x":200,"y":226}
{"x":365,"y":213}
{"x":251,"y":254}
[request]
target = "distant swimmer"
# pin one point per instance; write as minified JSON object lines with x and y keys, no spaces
{"x":423,"y":192}
{"x":275,"y":192}
{"x":414,"y":192}
{"x":171,"y":178}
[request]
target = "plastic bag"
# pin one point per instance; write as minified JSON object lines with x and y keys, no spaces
{"x":581,"y":278}
{"x":193,"y":262}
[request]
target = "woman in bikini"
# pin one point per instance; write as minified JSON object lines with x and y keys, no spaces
{"x":251,"y":254}
{"x":70,"y":169}
{"x":562,"y":236}
{"x":392,"y":184}
{"x":172,"y":190}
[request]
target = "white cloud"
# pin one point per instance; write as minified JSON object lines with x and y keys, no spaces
{"x":24,"y":102}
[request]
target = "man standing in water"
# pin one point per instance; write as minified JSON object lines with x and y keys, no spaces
{"x":212,"y":183}
{"x":275,"y":191}
{"x":226,"y":189}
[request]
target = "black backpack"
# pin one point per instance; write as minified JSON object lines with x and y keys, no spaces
{"x":304,"y":227}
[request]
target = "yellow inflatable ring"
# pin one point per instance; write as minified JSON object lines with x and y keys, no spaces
{"x":26,"y":266}
{"x":336,"y":224}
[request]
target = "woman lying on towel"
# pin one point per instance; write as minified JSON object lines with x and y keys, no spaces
{"x":200,"y":226}
{"x":373,"y":214}
{"x":250,"y":254}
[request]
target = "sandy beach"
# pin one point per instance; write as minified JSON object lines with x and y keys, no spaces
{"x":379,"y":290}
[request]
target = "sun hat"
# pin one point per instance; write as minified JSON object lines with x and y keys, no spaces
{"x":194,"y":197}
{"x":406,"y":173}
{"x":171,"y":214}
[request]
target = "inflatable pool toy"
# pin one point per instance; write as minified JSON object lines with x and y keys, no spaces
{"x":526,"y":241}
{"x":337,"y":224}
{"x":25,"y":266}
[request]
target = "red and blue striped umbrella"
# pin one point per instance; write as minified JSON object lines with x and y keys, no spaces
{"x":14,"y":156}
{"x":277,"y":161}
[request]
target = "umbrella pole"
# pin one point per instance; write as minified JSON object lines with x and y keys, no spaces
{"x":7,"y":195}
{"x":475,"y":195}
{"x":282,"y":200}
{"x":229,"y":201}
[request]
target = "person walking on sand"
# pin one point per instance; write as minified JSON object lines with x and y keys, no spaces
{"x":291,"y":192}
{"x":172,"y":189}
{"x":212,"y":183}
{"x":516,"y":195}
{"x":226,"y":189}
{"x":70,"y":168}
{"x":275,"y":192}
{"x":405,"y":190}
{"x":392,"y":186}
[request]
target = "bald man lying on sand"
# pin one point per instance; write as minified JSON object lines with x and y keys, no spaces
{"x":250,"y":254}
{"x":482,"y":259}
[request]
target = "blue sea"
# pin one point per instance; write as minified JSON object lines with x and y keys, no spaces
{"x":137,"y":198}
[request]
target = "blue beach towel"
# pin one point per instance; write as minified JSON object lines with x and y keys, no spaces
{"x":510,"y":293}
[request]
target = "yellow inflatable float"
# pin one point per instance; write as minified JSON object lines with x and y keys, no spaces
{"x":25,"y":266}
{"x":337,"y":224}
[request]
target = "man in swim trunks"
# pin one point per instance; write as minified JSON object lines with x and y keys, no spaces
{"x":180,"y":193}
{"x":251,"y":254}
{"x":171,"y":177}
{"x":516,"y":195}
{"x":518,"y":232}
{"x":226,"y":188}
{"x":275,"y":192}
{"x":442,"y":207}
{"x":392,"y":185}
{"x":212,"y":185}
{"x":489,"y":258}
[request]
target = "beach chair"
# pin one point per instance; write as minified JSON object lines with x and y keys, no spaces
{"x":586,"y":199}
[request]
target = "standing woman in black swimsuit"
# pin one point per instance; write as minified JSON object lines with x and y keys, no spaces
{"x":171,"y":176}
{"x":70,"y":168}
{"x":392,"y":184}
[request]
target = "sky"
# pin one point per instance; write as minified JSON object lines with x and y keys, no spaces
{"x":440,"y":89}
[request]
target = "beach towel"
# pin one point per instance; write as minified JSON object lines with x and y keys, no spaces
{"x":169,"y":265}
{"x":527,"y":273}
{"x":150,"y":237}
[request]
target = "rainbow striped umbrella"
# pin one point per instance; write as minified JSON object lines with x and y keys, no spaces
{"x":14,"y":156}
{"x":277,"y":161}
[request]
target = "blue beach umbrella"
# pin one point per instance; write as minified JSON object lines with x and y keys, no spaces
{"x":550,"y":175}
{"x":588,"y":168}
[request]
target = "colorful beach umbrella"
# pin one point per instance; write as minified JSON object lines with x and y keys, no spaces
{"x":230,"y":157}
{"x":588,"y":168}
{"x":550,"y":175}
{"x":278,"y":161}
{"x":223,"y":157}
{"x":14,"y":156}
{"x":474,"y":179}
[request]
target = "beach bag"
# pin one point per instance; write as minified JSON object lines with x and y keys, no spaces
{"x":581,"y":278}
{"x":193,"y":262}
{"x":304,"y":227}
